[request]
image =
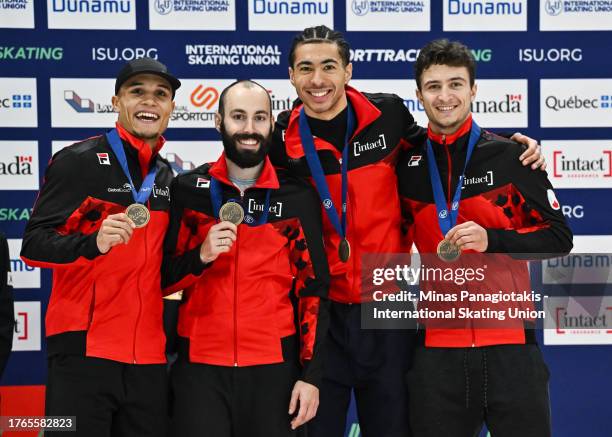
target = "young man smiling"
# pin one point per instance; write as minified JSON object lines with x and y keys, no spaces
{"x":99,"y":223}
{"x":347,"y":143}
{"x":470,"y":371}
{"x":245,"y":245}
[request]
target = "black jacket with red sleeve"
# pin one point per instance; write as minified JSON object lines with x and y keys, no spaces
{"x":516,"y":206}
{"x":107,"y":306}
{"x":245,"y":308}
{"x":384,"y":127}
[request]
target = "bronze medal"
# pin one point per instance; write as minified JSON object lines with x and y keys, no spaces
{"x":448,"y":251}
{"x":231,"y":212}
{"x":344,"y":250}
{"x":139,"y":214}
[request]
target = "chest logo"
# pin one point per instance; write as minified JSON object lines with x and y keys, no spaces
{"x":380,"y":143}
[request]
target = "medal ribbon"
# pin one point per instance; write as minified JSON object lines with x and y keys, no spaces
{"x":445,"y":219}
{"x":316,"y":170}
{"x":142,"y":195}
{"x":216,"y":197}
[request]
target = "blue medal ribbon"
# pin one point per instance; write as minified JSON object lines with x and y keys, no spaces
{"x":447,"y":220}
{"x":216,"y":197}
{"x":316,"y":170}
{"x":142,"y":195}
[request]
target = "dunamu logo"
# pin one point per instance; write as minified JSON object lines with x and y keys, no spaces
{"x":95,"y":6}
{"x":457,"y":7}
{"x":271,"y":7}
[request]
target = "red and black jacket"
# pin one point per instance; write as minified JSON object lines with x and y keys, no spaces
{"x":384,"y":126}
{"x":107,"y":306}
{"x":514,"y":204}
{"x":245,"y":308}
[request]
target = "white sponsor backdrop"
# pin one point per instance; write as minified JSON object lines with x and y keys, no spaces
{"x":24,"y":276}
{"x":579,"y":163}
{"x":398,"y":15}
{"x":289,"y":15}
{"x":575,"y":15}
{"x":493,"y":16}
{"x":18,"y":102}
{"x":281,"y":92}
{"x":576,"y":102}
{"x":499,"y":103}
{"x":91,"y":96}
{"x":103,"y":15}
{"x":18,"y":165}
{"x":192,"y":15}
{"x":17,"y":18}
{"x":27,"y":326}
{"x":197,"y":102}
{"x":191,"y":153}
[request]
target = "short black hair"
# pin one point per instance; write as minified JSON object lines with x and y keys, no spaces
{"x":247,"y":83}
{"x":317,"y":35}
{"x":444,"y":52}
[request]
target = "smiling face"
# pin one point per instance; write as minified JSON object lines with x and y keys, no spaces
{"x":319,"y":77}
{"x":145,"y":104}
{"x":446,"y":95}
{"x":246,"y":124}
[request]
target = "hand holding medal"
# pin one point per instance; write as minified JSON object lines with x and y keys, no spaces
{"x":115,"y":229}
{"x":468,"y":236}
{"x":220,"y":239}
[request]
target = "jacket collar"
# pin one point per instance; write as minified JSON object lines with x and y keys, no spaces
{"x":267,"y":178}
{"x":451,"y":138}
{"x":145,"y":154}
{"x":365,"y":112}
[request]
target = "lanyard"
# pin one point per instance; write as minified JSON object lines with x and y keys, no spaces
{"x":143,"y":194}
{"x":445,"y":219}
{"x":316,"y":170}
{"x":216,"y":197}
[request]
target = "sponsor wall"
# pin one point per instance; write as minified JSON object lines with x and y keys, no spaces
{"x":543,"y":67}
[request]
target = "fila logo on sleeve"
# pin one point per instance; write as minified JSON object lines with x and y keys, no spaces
{"x":202,"y":183}
{"x":103,"y":158}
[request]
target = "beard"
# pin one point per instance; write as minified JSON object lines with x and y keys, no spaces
{"x":245,"y":158}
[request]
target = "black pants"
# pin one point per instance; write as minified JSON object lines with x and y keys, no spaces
{"x":219,"y":401}
{"x":371,"y":362}
{"x":455,"y":390}
{"x":108,"y":398}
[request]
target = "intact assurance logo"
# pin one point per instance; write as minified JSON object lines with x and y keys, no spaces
{"x":82,"y":103}
{"x":192,"y":15}
{"x":374,"y":15}
{"x":576,"y":102}
{"x":19,"y":165}
{"x":478,"y":15}
{"x":579,"y":163}
{"x":18,"y":102}
{"x":274,"y":15}
{"x":187,"y":155}
{"x":91,"y":14}
{"x":23,"y":275}
{"x":27,"y":331}
{"x":197,"y":103}
{"x":582,"y":319}
{"x":501,"y":103}
{"x":17,"y":14}
{"x":575,"y":15}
